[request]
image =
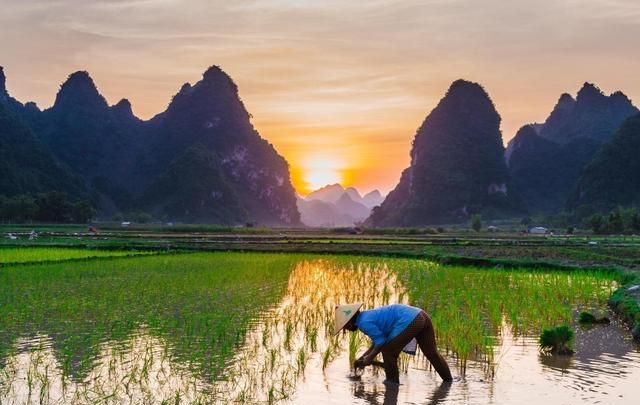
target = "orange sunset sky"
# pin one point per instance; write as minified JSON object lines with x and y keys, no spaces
{"x":339,"y":87}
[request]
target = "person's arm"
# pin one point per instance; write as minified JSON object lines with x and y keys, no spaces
{"x":370,"y":329}
{"x":369,"y":350}
{"x":367,"y":358}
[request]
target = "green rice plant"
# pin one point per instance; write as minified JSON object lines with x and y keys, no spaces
{"x":327,"y":356}
{"x":558,"y":340}
{"x":355,"y":342}
{"x":586,"y":317}
{"x":271,"y":395}
{"x":301,"y":361}
{"x":288,"y":334}
{"x":45,"y":254}
{"x":273,"y":358}
{"x":312,"y":338}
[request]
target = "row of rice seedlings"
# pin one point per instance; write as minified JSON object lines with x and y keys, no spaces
{"x":469,"y":306}
{"x":44,"y":254}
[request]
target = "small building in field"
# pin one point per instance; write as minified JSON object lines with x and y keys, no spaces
{"x":538,"y":230}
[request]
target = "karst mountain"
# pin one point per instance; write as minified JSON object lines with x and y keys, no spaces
{"x":457,"y":165}
{"x":201,"y":160}
{"x":546,"y":160}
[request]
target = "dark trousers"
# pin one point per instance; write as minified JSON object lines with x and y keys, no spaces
{"x":420,"y":328}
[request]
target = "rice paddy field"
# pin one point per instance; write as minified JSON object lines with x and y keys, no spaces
{"x":229,"y":327}
{"x":12,"y":255}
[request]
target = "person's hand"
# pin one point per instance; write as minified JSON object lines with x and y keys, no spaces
{"x":362,"y":362}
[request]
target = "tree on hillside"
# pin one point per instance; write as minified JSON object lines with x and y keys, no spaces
{"x":635,"y":221}
{"x":596,"y":222}
{"x":615,"y":223}
{"x":476,"y":222}
{"x":19,"y":208}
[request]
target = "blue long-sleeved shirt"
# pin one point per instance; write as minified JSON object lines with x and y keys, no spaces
{"x":384,"y":323}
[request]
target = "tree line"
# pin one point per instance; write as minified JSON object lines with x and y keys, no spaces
{"x":52,"y":206}
{"x":619,"y":221}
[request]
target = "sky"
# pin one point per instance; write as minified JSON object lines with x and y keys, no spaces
{"x":338,"y":87}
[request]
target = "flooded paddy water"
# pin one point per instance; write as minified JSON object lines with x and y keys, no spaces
{"x":286,"y":353}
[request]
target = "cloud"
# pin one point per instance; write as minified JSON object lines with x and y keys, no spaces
{"x":331,"y":73}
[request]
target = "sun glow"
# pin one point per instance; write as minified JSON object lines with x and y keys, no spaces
{"x":316,"y":178}
{"x":319,"y":171}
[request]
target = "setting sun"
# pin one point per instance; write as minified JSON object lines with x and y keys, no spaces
{"x":320,"y":170}
{"x":316,"y":178}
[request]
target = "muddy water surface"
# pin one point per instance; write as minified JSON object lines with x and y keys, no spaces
{"x":290,"y":356}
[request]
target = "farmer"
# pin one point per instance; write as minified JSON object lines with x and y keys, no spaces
{"x":391,"y":328}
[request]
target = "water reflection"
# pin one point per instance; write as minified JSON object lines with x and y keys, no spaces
{"x":294,"y":341}
{"x":139,"y":371}
{"x":289,"y":356}
{"x":389,"y":394}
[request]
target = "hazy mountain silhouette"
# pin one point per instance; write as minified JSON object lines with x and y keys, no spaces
{"x":546,"y":160}
{"x":457,"y":166}
{"x":334,"y":205}
{"x":200,"y":160}
{"x":352,"y":208}
{"x":372,"y":199}
{"x":329,"y":193}
{"x":612,"y":179}
{"x":318,"y":213}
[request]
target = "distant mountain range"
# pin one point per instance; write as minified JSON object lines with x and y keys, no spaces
{"x":334,"y":205}
{"x":546,"y":160}
{"x":201,"y":160}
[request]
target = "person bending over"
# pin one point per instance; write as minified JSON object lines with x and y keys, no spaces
{"x":391,"y":328}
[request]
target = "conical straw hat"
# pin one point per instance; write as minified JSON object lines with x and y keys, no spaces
{"x":344,"y":313}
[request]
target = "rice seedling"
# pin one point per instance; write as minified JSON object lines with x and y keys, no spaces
{"x":312,"y":336}
{"x":301,"y":361}
{"x":355,"y":343}
{"x":587,"y":318}
{"x":327,"y":356}
{"x":558,"y":340}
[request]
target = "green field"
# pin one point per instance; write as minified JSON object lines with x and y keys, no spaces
{"x":192,"y":313}
{"x":45,"y":254}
